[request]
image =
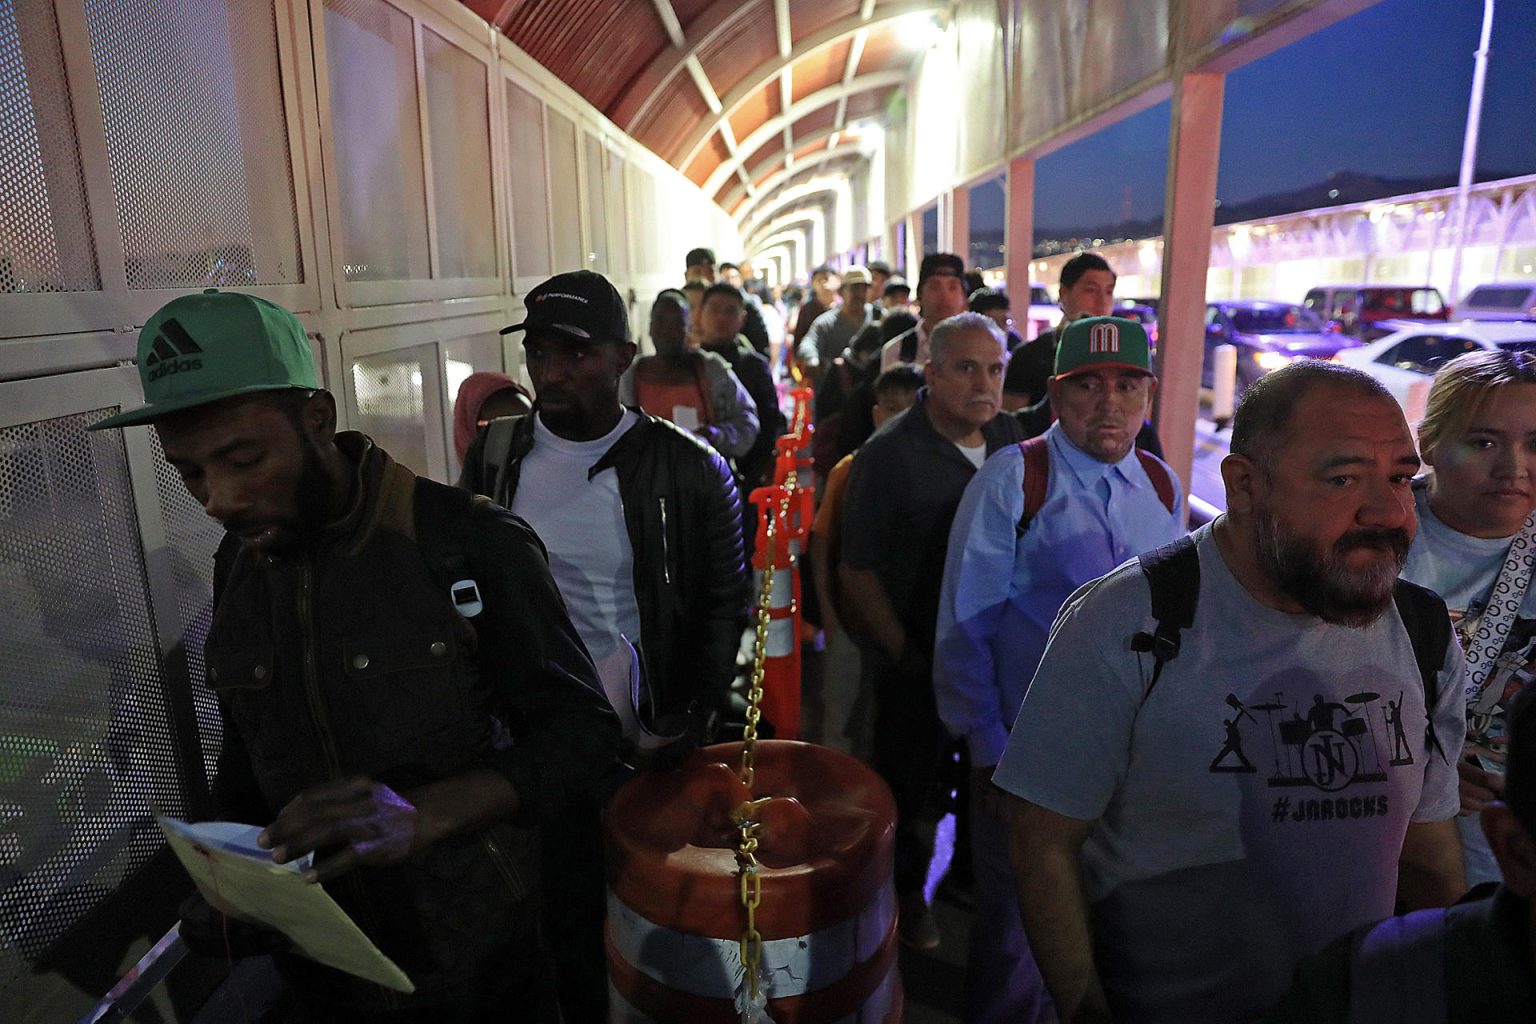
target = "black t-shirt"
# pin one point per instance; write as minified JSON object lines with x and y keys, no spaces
{"x":1031,"y":366}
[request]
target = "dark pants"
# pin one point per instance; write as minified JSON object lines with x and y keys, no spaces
{"x":910,"y":746}
{"x":575,"y":907}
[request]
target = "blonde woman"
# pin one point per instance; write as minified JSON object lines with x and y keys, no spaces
{"x":1476,"y":546}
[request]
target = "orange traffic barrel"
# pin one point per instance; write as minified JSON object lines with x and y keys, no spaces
{"x":828,"y":911}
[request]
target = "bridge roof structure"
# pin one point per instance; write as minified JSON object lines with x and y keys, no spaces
{"x":731,"y":93}
{"x":741,"y":94}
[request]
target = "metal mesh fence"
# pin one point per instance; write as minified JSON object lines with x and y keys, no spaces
{"x":87,"y":744}
{"x":530,"y":186}
{"x":45,"y":236}
{"x":191,"y":99}
{"x":371,"y":63}
{"x":191,"y":539}
{"x":459,"y":116}
{"x":389,"y":393}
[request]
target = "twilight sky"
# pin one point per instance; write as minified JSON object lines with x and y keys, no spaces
{"x":1383,"y":93}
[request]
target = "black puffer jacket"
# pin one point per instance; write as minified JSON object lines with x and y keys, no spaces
{"x":683,"y":516}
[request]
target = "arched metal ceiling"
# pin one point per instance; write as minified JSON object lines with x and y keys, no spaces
{"x":730,"y":92}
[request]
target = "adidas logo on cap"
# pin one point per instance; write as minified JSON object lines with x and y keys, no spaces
{"x":172,"y":351}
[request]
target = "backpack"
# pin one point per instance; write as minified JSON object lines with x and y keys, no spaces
{"x":499,"y":434}
{"x":1397,"y":970}
{"x":442,"y":517}
{"x":1173,"y":575}
{"x":1037,"y":479}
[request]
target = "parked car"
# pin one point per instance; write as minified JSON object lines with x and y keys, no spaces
{"x":1144,"y":314}
{"x":1360,"y":309}
{"x":1042,"y":313}
{"x":1406,"y":360}
{"x":1267,"y":336}
{"x":1510,"y":301}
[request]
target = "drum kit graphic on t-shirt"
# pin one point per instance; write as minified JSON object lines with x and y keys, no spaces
{"x":1326,"y":745}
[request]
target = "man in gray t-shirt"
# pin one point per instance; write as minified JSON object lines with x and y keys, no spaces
{"x":1179,"y":849}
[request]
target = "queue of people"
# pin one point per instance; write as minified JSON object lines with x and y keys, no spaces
{"x":1195,"y":762}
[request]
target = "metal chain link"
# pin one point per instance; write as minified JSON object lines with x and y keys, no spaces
{"x":745,"y":816}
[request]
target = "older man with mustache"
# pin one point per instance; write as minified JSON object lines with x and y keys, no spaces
{"x":903,"y":489}
{"x":1188,"y":825}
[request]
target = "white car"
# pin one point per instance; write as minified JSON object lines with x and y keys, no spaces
{"x":1406,"y":359}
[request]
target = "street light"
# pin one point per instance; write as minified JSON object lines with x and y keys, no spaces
{"x":1469,"y":149}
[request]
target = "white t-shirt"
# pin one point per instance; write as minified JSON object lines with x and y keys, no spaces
{"x":1249,"y":810}
{"x":977,"y":455}
{"x":581,"y":522}
{"x":1463,"y":570}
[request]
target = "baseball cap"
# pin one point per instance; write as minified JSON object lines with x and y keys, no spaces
{"x":857,"y":275}
{"x":198,"y":349}
{"x":940,"y":264}
{"x":1103,"y":341}
{"x":697,"y":256}
{"x":580,"y":305}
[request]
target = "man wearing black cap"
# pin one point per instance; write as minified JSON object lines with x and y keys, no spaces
{"x":643,"y":526}
{"x":700,"y":266}
{"x":940,"y":295}
{"x":640,"y":517}
{"x":402,"y":692}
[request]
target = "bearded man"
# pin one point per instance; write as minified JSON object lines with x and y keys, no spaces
{"x":1184,"y":827}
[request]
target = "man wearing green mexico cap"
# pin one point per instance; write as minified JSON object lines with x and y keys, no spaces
{"x":402,"y":690}
{"x":1037,"y":521}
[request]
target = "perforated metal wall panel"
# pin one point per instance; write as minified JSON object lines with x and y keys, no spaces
{"x":87,"y":743}
{"x":196,"y":141}
{"x":597,"y":203}
{"x":45,"y":236}
{"x":459,"y":125}
{"x":191,"y":537}
{"x":376,"y":128}
{"x":530,"y":183}
{"x":564,"y":196}
{"x":390,"y":403}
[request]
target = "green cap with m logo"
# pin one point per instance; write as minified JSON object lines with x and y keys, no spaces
{"x":198,"y":349}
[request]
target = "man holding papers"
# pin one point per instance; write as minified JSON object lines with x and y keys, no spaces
{"x":403,"y":694}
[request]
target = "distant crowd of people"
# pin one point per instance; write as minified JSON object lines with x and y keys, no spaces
{"x":1202,"y":772}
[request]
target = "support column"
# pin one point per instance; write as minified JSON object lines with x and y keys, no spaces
{"x":1019,"y":231}
{"x":1194,"y":149}
{"x":959,"y":240}
{"x":914,"y":248}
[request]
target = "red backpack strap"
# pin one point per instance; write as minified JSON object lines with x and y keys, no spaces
{"x":1037,"y":479}
{"x":1161,"y":481}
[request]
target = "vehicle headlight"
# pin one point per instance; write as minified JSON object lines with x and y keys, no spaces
{"x":1272,"y":360}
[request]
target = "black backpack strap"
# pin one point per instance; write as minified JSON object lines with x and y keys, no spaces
{"x":1173,"y":575}
{"x":1429,"y":631}
{"x":442,"y":533}
{"x":497,"y":451}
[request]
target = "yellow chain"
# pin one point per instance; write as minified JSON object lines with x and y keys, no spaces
{"x":745,"y":816}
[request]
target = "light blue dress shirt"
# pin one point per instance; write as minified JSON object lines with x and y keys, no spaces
{"x":1002,"y":591}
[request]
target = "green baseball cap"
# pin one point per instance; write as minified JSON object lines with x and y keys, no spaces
{"x":198,"y":349}
{"x":1103,"y":342}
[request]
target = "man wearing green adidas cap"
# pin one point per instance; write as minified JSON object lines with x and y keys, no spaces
{"x":403,"y":693}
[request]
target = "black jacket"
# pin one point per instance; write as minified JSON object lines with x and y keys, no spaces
{"x":683,"y":516}
{"x":350,"y":657}
{"x":751,"y":368}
